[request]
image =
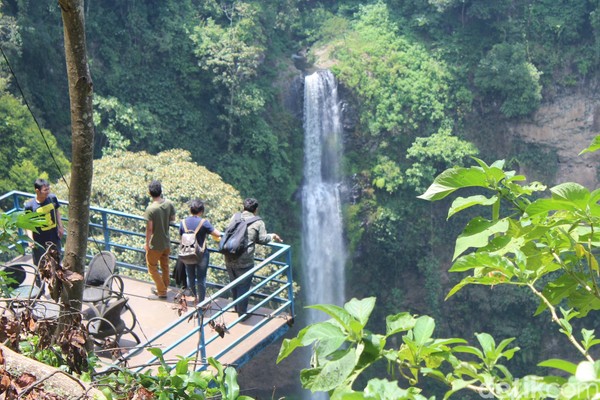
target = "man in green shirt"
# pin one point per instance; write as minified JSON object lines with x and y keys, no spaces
{"x":159,"y":214}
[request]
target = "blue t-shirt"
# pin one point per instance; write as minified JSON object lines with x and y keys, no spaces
{"x":47,"y":208}
{"x":191,"y":223}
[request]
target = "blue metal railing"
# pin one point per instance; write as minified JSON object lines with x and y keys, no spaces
{"x":279,"y":300}
{"x":124,"y":234}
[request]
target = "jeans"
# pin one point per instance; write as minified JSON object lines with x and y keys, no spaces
{"x":196,"y":277}
{"x":242,"y":288}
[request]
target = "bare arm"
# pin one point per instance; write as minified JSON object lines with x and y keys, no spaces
{"x":30,"y":235}
{"x":59,"y":225}
{"x":149,"y":231}
{"x":216,"y":234}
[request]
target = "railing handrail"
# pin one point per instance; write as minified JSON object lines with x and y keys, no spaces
{"x":65,"y":202}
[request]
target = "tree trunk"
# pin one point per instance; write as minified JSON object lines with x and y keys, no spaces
{"x":82,"y":143}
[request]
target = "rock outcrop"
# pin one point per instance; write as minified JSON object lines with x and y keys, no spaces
{"x":568,"y":124}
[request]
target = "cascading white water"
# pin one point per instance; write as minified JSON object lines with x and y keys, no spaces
{"x":323,"y":245}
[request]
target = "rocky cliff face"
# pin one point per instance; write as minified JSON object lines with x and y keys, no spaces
{"x":567,"y":125}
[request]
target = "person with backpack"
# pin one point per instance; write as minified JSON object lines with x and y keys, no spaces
{"x":239,"y":257}
{"x":196,"y":261}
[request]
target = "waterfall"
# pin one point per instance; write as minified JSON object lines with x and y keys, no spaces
{"x":323,"y":245}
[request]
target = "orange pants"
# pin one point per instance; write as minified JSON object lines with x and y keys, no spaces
{"x":162,"y":279}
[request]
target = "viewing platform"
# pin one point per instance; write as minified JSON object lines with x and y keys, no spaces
{"x":174,"y":325}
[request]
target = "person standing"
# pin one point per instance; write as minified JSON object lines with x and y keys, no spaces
{"x":239,"y":265}
{"x":196,"y":273}
{"x":47,"y":205}
{"x":159,"y":214}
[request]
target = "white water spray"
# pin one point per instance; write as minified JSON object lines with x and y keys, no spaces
{"x":324,"y":252}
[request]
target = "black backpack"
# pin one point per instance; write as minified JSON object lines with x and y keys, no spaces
{"x":189,"y":251}
{"x":235,"y":238}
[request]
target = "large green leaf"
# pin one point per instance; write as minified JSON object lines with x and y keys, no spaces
{"x":572,"y":192}
{"x":483,"y":260}
{"x":383,"y":389}
{"x":233,"y":388}
{"x":468,"y":349}
{"x":334,"y":373}
{"x":558,"y":290}
{"x":27,"y":220}
{"x":373,"y":348}
{"x":361,"y":309}
{"x":329,"y":336}
{"x":453,"y":179}
{"x":489,"y":280}
{"x":477,"y":234}
{"x":594,"y":146}
{"x":543,"y":206}
{"x":289,"y":345}
{"x":583,"y":301}
{"x":487,"y":343}
{"x":458,"y":385}
{"x":423,"y":330}
{"x":336,"y":312}
{"x":563,"y":365}
{"x":462,"y":203}
{"x":399,"y":323}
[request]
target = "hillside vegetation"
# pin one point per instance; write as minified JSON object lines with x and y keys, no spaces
{"x":215,"y":78}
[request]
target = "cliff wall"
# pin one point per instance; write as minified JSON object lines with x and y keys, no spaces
{"x":567,"y":125}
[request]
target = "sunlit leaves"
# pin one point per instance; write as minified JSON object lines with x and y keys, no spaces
{"x":387,"y":174}
{"x":537,"y":237}
{"x":563,"y":365}
{"x":382,"y":389}
{"x":329,"y":336}
{"x":11,"y":226}
{"x":179,"y":382}
{"x":333,"y":373}
{"x":594,"y":146}
{"x":478,"y":233}
{"x":453,"y":179}
{"x":335,"y":369}
{"x":399,"y":84}
{"x":121,"y":183}
{"x":462,"y":203}
{"x":399,"y":323}
{"x":361,"y":309}
{"x":589,"y":339}
{"x":432,"y":153}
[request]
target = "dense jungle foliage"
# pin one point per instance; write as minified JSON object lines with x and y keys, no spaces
{"x":220,"y":80}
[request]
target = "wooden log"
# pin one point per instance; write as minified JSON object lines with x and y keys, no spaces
{"x":28,"y":378}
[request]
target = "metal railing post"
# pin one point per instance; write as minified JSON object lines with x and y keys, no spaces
{"x":202,"y":338}
{"x":17,"y":207}
{"x":106,"y":231}
{"x":290,"y":281}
